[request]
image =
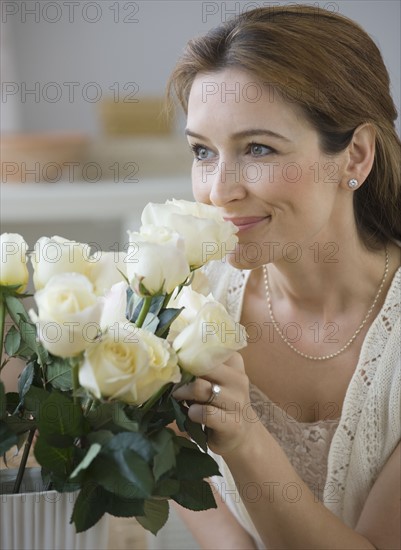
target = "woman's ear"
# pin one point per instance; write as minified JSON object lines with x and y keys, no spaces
{"x":361,"y":154}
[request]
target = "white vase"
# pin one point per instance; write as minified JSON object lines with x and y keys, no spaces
{"x":36,"y":519}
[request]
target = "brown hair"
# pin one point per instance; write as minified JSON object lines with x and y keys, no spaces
{"x":340,"y":82}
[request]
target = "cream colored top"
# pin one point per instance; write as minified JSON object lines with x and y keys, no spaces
{"x":339,"y":459}
{"x":306,"y":444}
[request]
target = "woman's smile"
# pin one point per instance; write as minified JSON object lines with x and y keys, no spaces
{"x":245,"y":223}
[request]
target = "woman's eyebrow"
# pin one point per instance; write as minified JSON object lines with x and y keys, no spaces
{"x":242,"y":134}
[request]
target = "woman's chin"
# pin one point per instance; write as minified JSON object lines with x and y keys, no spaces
{"x":241,"y":258}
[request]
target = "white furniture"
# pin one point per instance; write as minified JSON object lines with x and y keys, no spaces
{"x":99,"y":212}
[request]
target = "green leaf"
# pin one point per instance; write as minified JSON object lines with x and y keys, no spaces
{"x":59,"y":483}
{"x":12,"y":341}
{"x":28,"y":333}
{"x":167,"y":488}
{"x":93,"y":501}
{"x":194,"y":464}
{"x":111,"y":416}
{"x":121,"y":419}
{"x":24,"y":351}
{"x":124,"y":507}
{"x":166,"y":317}
{"x":165,"y":457}
{"x":156,"y":515}
{"x":123,"y":473}
{"x":184,"y":442}
{"x":7,"y":438}
{"x":132,"y":441}
{"x":134,"y":308}
{"x":89,"y":507}
{"x":43,"y":355}
{"x":102,"y":416}
{"x":16,"y":309}
{"x":25,"y":380}
{"x":59,"y":374}
{"x":196,"y":432}
{"x":10,"y":289}
{"x":93,"y":451}
{"x":151,"y":322}
{"x":58,"y":460}
{"x":12,"y":401}
{"x":134,"y":305}
{"x":60,"y":416}
{"x":19,"y":425}
{"x":157,"y":304}
{"x":195,"y":495}
{"x":180,"y":416}
{"x":33,"y":400}
{"x":123,"y":466}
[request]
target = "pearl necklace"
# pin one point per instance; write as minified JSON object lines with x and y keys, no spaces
{"x":358,"y":330}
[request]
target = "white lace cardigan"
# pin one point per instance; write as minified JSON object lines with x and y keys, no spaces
{"x":369,"y":428}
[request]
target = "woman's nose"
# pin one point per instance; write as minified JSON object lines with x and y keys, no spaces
{"x":226,"y":182}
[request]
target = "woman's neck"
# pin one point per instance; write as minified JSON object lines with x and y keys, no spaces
{"x":330,"y":277}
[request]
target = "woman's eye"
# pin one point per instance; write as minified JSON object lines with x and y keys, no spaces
{"x":200,"y":152}
{"x":258,"y":150}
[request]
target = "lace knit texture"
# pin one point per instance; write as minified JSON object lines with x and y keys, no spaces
{"x":306,"y":444}
{"x":338,"y":459}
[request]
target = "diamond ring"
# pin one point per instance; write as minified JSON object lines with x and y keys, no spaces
{"x":216,"y":390}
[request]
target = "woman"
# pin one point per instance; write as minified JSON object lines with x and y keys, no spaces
{"x":292,"y":127}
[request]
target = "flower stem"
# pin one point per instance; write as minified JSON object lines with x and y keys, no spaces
{"x":2,"y":319}
{"x":4,"y":363}
{"x":75,"y":380}
{"x":152,"y":400}
{"x":88,"y":407}
{"x":21,"y":469}
{"x":144,"y":311}
{"x":166,"y":300}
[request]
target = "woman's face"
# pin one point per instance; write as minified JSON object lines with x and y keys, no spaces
{"x":259,"y":162}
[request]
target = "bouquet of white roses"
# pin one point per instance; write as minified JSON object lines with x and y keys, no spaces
{"x":113,"y":335}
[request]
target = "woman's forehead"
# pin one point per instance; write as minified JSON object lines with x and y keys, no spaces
{"x":237,"y":98}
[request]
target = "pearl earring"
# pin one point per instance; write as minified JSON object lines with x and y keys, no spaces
{"x":353,"y":183}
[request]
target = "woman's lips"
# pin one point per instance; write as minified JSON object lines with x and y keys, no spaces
{"x":247,"y":222}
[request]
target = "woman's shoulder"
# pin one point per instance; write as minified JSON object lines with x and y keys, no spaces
{"x":390,"y":312}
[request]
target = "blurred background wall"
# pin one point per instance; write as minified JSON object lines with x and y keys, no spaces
{"x":84,"y":146}
{"x":62,"y":58}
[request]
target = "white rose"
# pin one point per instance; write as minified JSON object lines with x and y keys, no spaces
{"x":209,"y":340}
{"x":13,"y":269}
{"x":156,"y":260}
{"x":105,"y":270}
{"x":163,"y":367}
{"x":129,"y":364}
{"x":192,"y":302}
{"x":207,"y":235}
{"x":200,"y":283}
{"x":58,"y":255}
{"x":69,"y":314}
{"x":114,"y":306}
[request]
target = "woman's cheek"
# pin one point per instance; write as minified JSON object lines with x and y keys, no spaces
{"x":200,"y":189}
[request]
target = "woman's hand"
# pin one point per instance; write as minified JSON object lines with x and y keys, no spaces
{"x":224,"y":417}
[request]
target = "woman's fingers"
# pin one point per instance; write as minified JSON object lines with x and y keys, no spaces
{"x":236,"y":362}
{"x":200,"y":390}
{"x":217,"y":401}
{"x":205,"y":389}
